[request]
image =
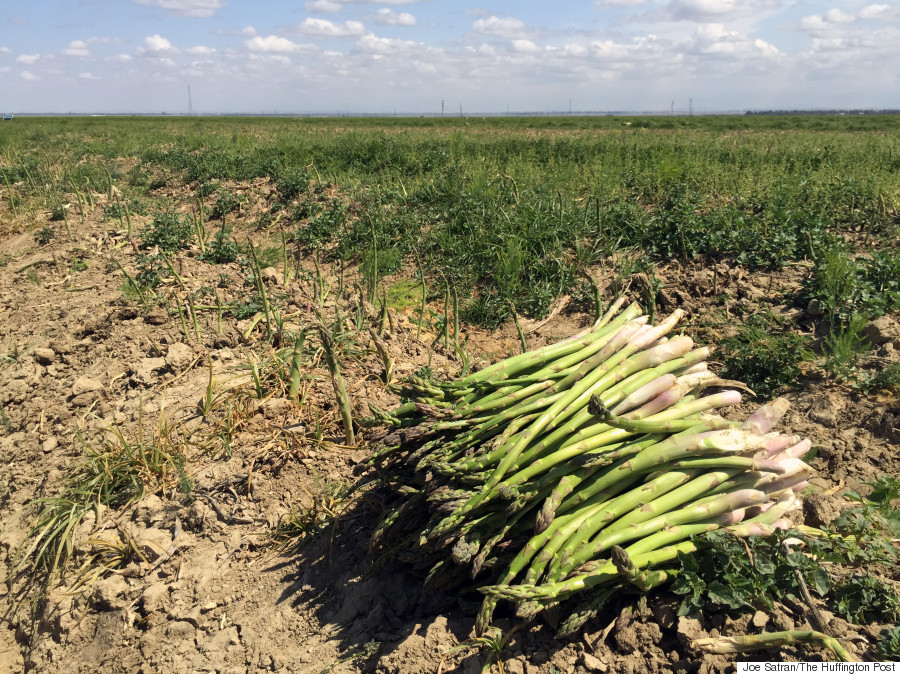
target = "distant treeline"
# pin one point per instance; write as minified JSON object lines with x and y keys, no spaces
{"x":823,"y":112}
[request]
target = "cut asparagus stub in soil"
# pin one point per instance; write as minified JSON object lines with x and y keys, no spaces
{"x":538,"y":466}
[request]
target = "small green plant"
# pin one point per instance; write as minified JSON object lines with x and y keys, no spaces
{"x":888,"y":646}
{"x":251,"y":306}
{"x":222,"y":249}
{"x":170,"y":232}
{"x":115,"y":472}
{"x":887,"y":380}
{"x":79,"y":263}
{"x":226,"y":202}
{"x":764,"y":355}
{"x":327,"y":500}
{"x":723,"y":573}
{"x":44,"y":236}
{"x":292,"y":183}
{"x":151,"y":271}
{"x":843,"y":345}
{"x":862,"y":599}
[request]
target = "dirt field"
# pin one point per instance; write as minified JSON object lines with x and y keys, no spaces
{"x":204,"y":590}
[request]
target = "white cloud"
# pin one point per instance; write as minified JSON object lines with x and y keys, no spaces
{"x":274,"y":44}
{"x":373,"y":44}
{"x":200,"y":50}
{"x":5,"y":50}
{"x":323,"y":6}
{"x":494,"y":25}
{"x":5,"y":69}
{"x":326,"y":28}
{"x":78,"y":49}
{"x":388,"y":17}
{"x":873,"y":11}
{"x":837,"y":16}
{"x":27,"y":59}
{"x":693,"y":10}
{"x":195,"y":8}
{"x":271,"y":58}
{"x":155,"y":45}
{"x":525,"y":46}
{"x":28,"y":77}
{"x":87,"y":76}
{"x":573,"y":49}
{"x":619,"y":3}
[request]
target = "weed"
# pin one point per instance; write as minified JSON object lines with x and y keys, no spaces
{"x":170,"y":232}
{"x":843,"y":345}
{"x":293,"y":183}
{"x":151,"y":271}
{"x":226,"y":202}
{"x":59,"y":213}
{"x":764,"y":355}
{"x":722,"y":572}
{"x":863,"y":599}
{"x":79,"y":263}
{"x":888,"y":646}
{"x":114,"y":474}
{"x":222,"y":250}
{"x":326,"y":502}
{"x":44,"y":236}
{"x":887,"y":380}
{"x":251,"y":306}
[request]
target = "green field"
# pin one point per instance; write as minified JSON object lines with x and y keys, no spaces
{"x":504,"y":212}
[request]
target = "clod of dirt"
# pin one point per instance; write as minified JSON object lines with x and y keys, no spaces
{"x":85,"y":385}
{"x":826,"y":409}
{"x":154,"y":597}
{"x":156,"y":317}
{"x":179,"y":356}
{"x":44,"y":356}
{"x":49,"y":445}
{"x":110,"y":594}
{"x":882,"y":330}
{"x":690,"y":629}
{"x":819,"y":510}
{"x":146,"y":371}
{"x":637,"y":635}
{"x":592,"y":663}
{"x":270,"y":275}
{"x":149,"y":511}
{"x":760,"y":619}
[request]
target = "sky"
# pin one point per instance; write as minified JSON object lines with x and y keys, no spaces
{"x":412,"y":56}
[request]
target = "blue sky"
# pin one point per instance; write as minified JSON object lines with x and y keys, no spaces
{"x":409,"y":55}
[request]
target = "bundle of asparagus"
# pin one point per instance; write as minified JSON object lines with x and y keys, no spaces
{"x":528,"y":475}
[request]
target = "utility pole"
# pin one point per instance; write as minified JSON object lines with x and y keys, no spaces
{"x":442,"y":107}
{"x":570,"y":106}
{"x":672,"y":108}
{"x":460,"y":109}
{"x":690,"y":107}
{"x":507,"y":109}
{"x":190,"y":103}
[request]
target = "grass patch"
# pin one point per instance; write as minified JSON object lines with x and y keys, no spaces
{"x":115,"y":472}
{"x":404,"y":294}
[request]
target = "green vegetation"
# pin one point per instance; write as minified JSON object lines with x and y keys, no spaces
{"x":764,"y":354}
{"x":509,"y":210}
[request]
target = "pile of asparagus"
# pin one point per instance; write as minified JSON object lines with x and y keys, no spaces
{"x":527,"y":477}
